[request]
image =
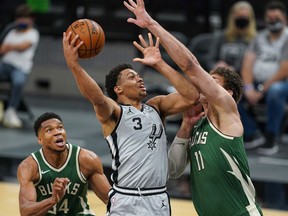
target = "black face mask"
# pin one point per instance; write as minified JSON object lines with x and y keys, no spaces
{"x":242,"y":22}
{"x":22,"y":26}
{"x":275,"y":26}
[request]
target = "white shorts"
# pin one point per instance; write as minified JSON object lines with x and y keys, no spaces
{"x":138,"y":202}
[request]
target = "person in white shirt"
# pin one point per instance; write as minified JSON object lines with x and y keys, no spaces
{"x":17,"y":51}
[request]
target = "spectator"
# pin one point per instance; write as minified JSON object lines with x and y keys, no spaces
{"x":264,"y":74}
{"x":17,"y":50}
{"x":230,"y":44}
{"x":229,"y":48}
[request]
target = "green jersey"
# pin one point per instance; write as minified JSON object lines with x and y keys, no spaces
{"x":220,"y":176}
{"x":74,"y":201}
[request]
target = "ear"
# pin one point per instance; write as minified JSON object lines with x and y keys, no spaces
{"x":230,"y":92}
{"x":39,"y":140}
{"x":117,"y":89}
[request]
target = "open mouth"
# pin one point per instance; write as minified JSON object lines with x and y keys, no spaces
{"x":60,"y":142}
{"x":142,"y":86}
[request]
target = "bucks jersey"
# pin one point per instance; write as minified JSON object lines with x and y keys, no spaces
{"x":139,"y":149}
{"x":220,"y":180}
{"x":74,"y":201}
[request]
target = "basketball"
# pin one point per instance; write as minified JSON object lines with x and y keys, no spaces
{"x":91,"y":33}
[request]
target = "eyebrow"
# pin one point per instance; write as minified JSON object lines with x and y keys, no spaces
{"x":48,"y":126}
{"x":131,"y":72}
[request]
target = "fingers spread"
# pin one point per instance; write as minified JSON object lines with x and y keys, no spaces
{"x":138,"y":46}
{"x":143,"y":42}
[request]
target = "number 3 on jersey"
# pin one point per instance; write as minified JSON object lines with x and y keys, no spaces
{"x":199,"y":160}
{"x":138,"y":123}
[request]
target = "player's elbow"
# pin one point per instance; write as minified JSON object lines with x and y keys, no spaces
{"x":24,"y":212}
{"x":189,"y":63}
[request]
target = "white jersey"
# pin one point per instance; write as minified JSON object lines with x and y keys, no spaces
{"x":269,"y":54}
{"x":139,"y":149}
{"x":22,"y":60}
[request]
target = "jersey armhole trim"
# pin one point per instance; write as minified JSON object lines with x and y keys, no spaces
{"x":39,"y":169}
{"x":80,"y":174}
{"x":118,"y":122}
{"x":219,"y":132}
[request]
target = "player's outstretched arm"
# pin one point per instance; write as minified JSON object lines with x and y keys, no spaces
{"x":28,"y":205}
{"x":174,"y":47}
{"x":89,"y":88}
{"x":186,"y":93}
{"x":152,"y":57}
{"x":180,"y":54}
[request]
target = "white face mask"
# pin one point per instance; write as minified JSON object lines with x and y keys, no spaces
{"x":275,"y":26}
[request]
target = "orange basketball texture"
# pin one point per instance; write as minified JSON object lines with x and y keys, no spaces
{"x":91,"y":33}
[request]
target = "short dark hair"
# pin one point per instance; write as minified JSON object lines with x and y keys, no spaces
{"x":112,"y":79}
{"x":232,"y":81}
{"x":44,"y":117}
{"x":23,"y":11}
{"x":276,"y":5}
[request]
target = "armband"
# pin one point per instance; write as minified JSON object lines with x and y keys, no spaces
{"x":248,"y":87}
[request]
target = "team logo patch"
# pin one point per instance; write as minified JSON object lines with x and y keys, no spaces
{"x":154,"y":136}
{"x":148,"y":109}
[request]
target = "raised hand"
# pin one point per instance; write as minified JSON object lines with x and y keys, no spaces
{"x":192,"y":115}
{"x":143,"y":19}
{"x":59,"y":188}
{"x":151,"y":52}
{"x":69,"y":48}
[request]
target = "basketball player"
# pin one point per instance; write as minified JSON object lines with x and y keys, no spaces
{"x":135,"y":131}
{"x":54,"y":180}
{"x":220,"y":180}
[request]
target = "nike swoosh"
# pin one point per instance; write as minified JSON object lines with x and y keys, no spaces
{"x":43,"y":172}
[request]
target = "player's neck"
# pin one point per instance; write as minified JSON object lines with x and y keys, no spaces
{"x":57,"y":160}
{"x":136,"y":103}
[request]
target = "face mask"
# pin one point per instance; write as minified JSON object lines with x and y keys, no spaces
{"x":275,"y":26}
{"x":241,"y":22}
{"x":22,"y":26}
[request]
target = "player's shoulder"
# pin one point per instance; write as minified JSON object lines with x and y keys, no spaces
{"x":86,"y":155}
{"x":28,"y":161}
{"x":89,"y":162}
{"x":29,"y":164}
{"x":155,"y":101}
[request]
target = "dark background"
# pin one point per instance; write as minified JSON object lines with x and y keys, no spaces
{"x":191,"y":17}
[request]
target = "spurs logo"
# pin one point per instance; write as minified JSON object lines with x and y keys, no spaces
{"x":154,"y":136}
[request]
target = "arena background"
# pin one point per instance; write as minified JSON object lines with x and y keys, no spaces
{"x":51,"y":87}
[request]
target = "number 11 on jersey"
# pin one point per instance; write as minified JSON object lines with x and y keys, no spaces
{"x":199,"y":160}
